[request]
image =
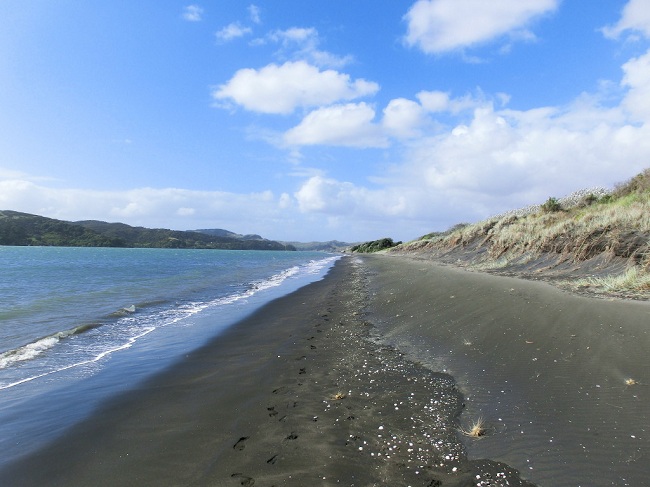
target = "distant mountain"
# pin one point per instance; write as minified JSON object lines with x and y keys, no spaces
{"x":218,"y":232}
{"x":25,"y":229}
{"x":330,"y":246}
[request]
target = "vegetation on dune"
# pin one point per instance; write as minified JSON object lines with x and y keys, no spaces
{"x":611,"y":227}
{"x":374,"y":246}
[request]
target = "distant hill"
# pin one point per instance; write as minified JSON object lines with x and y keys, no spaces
{"x":218,"y":232}
{"x":330,"y":246}
{"x":25,"y":229}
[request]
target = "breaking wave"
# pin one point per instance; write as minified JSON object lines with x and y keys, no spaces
{"x":63,"y":350}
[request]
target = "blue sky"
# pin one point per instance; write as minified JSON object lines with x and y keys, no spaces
{"x":314,"y":120}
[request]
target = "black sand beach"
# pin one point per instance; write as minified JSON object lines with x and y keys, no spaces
{"x":342,"y":383}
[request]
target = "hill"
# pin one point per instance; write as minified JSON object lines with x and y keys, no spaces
{"x":593,"y":241}
{"x":218,"y":232}
{"x":164,"y":238}
{"x":329,"y":246}
{"x":25,"y":229}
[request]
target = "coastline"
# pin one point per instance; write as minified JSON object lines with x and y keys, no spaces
{"x":360,"y":378}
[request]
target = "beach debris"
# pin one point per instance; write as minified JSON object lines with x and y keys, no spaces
{"x":630,"y":382}
{"x":476,"y":429}
{"x":339,"y":395}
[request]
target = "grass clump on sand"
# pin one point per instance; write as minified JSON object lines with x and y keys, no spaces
{"x":612,"y":226}
{"x":477,"y":429}
{"x":633,"y":279}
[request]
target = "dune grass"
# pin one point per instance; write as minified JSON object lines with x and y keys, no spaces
{"x":616,"y":225}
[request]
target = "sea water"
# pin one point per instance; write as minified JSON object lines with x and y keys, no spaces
{"x":80,"y":325}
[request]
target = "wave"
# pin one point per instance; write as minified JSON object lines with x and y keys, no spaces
{"x":37,"y":347}
{"x":98,"y":357}
{"x":125,"y":326}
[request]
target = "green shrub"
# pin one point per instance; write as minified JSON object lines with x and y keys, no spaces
{"x":374,"y":246}
{"x":551,"y":205}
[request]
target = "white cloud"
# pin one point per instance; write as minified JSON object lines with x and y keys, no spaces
{"x":255,"y":15}
{"x":635,"y":16}
{"x":403,"y":118}
{"x":294,"y":35}
{"x":438,"y":26}
{"x":280,"y":89}
{"x":340,"y":198}
{"x":342,"y":125}
{"x":150,"y":207}
{"x":497,"y":160}
{"x":637,"y":81}
{"x":301,"y":43}
{"x":441,"y":102}
{"x":193,"y":13}
{"x":232,"y":31}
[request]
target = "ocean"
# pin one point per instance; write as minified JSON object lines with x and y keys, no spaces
{"x":81,"y":325}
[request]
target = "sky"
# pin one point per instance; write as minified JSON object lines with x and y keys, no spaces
{"x":317,"y":120}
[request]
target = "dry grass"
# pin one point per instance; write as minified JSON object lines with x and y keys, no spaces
{"x":634,"y":279}
{"x":476,"y":429}
{"x":616,"y":227}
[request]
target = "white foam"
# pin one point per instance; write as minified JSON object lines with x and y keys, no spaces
{"x":27,"y":352}
{"x":128,"y":329}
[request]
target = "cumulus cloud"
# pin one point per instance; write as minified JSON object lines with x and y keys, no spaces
{"x":338,"y":198}
{"x":280,"y":89}
{"x":342,"y":125}
{"x":498,"y":159}
{"x":403,"y":118}
{"x":193,"y":13}
{"x":635,"y":17}
{"x":232,"y":31}
{"x":438,"y":26}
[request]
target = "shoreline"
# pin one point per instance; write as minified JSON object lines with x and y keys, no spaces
{"x":364,"y":378}
{"x":295,"y":394}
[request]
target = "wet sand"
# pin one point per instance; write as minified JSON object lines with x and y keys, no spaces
{"x":343,"y":383}
{"x":562,"y":380}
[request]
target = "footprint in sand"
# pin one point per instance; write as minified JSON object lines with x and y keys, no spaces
{"x":272,"y":411}
{"x":243,"y":479}
{"x":241,"y":444}
{"x":292,"y":436}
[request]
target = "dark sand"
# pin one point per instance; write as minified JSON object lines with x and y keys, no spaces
{"x":562,"y":380}
{"x":306,"y":392}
